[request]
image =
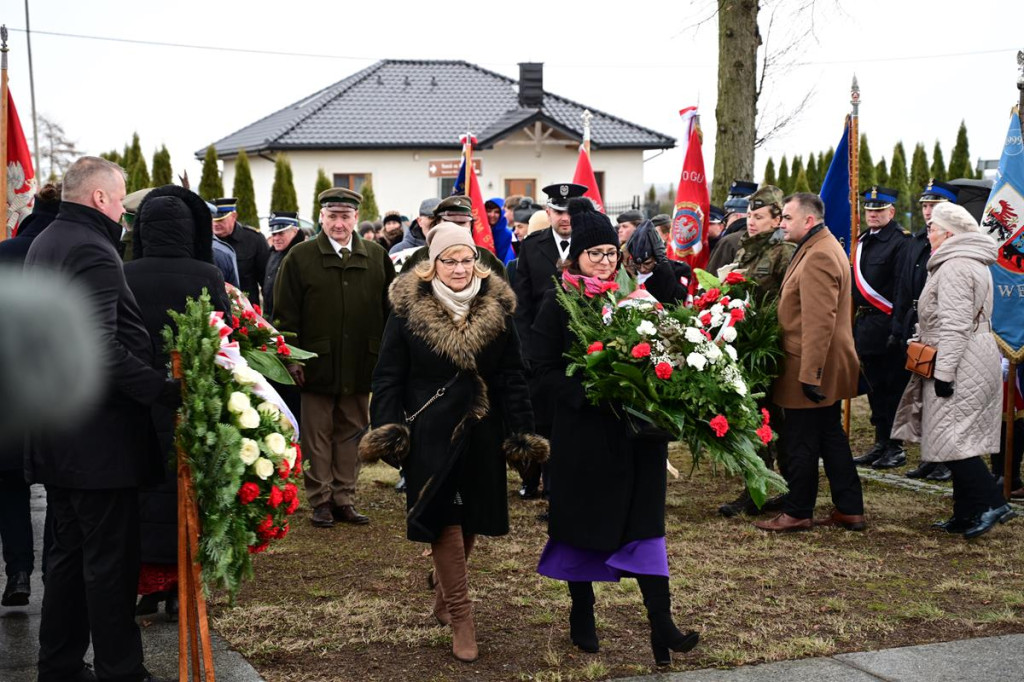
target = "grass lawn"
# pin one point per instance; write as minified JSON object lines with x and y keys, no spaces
{"x":350,"y":603}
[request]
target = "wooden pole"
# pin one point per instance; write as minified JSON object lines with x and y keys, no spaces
{"x":3,"y":126}
{"x":853,"y":144}
{"x":1010,"y":414}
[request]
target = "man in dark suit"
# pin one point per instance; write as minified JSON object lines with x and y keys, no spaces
{"x":92,"y":470}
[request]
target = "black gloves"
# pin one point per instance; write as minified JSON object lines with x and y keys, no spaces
{"x":813,"y":393}
{"x":943,"y":389}
{"x":170,"y":394}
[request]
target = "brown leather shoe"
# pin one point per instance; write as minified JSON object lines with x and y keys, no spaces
{"x":322,"y":516}
{"x":847,"y":521}
{"x":347,"y":513}
{"x":784,"y":523}
{"x":1017,"y":494}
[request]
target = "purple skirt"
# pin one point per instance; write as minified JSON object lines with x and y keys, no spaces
{"x":562,"y":561}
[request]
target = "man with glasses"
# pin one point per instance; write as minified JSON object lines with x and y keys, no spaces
{"x":332,"y":293}
{"x":251,"y":249}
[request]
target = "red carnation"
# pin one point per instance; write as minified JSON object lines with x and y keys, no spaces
{"x":234,"y":320}
{"x":594,"y":347}
{"x":765,"y":434}
{"x":259,"y":311}
{"x":725,"y":301}
{"x":663,"y":370}
{"x":249,"y":315}
{"x":276,"y":497}
{"x":720,"y":425}
{"x":248,"y":492}
{"x":737,"y":314}
{"x":734,"y":278}
{"x":641,"y":350}
{"x":292,"y":506}
{"x":712,"y":295}
{"x":280,"y":340}
{"x":298,"y":454}
{"x":244,"y":331}
{"x":284,"y":469}
{"x":263,"y":347}
{"x":705,"y":319}
{"x":290,"y":492}
{"x":281,"y":532}
{"x":764,"y":416}
{"x":263,"y":529}
{"x":256,"y":549}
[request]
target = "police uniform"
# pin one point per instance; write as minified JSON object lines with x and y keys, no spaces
{"x":251,"y":250}
{"x":882,"y":359}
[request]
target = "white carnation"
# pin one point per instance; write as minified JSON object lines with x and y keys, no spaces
{"x":290,"y":455}
{"x":276,"y":443}
{"x":646,"y":328}
{"x":739,"y":386}
{"x":697,"y":361}
{"x":717,"y":310}
{"x":729,"y":334}
{"x":731,"y":352}
{"x":737,"y":303}
{"x":246,"y":376}
{"x":264,"y":468}
{"x":713,"y":353}
{"x":269,"y":409}
{"x":249,"y":418}
{"x":238,"y":402}
{"x":250,"y":451}
{"x":693,"y":335}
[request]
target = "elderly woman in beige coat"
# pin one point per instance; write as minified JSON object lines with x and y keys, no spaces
{"x":955,"y":415}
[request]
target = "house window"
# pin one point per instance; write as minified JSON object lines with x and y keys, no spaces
{"x":445,"y":187}
{"x":521,"y":186}
{"x":352,"y":181}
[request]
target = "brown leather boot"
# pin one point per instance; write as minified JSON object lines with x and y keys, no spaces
{"x":440,"y":609}
{"x":449,"y":554}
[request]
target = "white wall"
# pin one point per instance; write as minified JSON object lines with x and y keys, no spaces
{"x":401,"y":178}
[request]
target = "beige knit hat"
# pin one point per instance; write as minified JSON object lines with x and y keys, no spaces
{"x":538,"y":221}
{"x":445,"y":235}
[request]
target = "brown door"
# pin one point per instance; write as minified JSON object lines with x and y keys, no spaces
{"x":521,"y":186}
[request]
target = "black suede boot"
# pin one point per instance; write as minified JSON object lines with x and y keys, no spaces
{"x":664,"y":633}
{"x":582,"y":628}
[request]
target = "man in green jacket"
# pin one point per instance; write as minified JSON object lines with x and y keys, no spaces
{"x":332,"y":292}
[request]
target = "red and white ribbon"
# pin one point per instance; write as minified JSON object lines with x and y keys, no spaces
{"x":867,"y":291}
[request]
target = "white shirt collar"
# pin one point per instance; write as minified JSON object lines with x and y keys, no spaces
{"x":558,"y":244}
{"x":338,"y":247}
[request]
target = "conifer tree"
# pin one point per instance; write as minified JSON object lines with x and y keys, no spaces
{"x":162,"y":173}
{"x":882,"y":173}
{"x":282,"y":194}
{"x":322,"y":184}
{"x":866,"y":176}
{"x":368,"y":209}
{"x":813,"y":173}
{"x":138,"y":177}
{"x":919,"y":176}
{"x":769,"y":173}
{"x":800,"y":184}
{"x":795,"y":166}
{"x":960,"y":159}
{"x":132,"y":152}
{"x":114,"y":157}
{"x":211,"y":185}
{"x":826,"y":162}
{"x":938,"y":164}
{"x":243,"y":191}
{"x":898,"y":181}
{"x":784,"y":183}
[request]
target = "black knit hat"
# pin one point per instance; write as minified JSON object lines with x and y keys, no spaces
{"x":590,"y":228}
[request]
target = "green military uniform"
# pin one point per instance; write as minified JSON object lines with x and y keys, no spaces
{"x":764,"y":259}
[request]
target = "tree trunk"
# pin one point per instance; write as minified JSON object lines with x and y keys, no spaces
{"x":736,"y":111}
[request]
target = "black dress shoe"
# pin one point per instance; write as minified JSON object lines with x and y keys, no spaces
{"x":347,"y":513}
{"x":18,"y":590}
{"x":941,"y":472}
{"x":953,"y":525}
{"x":322,"y":516}
{"x":985,"y":520}
{"x":895,"y":456}
{"x":148,"y":604}
{"x":921,"y":470}
{"x":871,"y":456}
{"x":530,"y":493}
{"x":743,"y":504}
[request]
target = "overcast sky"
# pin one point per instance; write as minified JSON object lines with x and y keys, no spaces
{"x":922,"y":67}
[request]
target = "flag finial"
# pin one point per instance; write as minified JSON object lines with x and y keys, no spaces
{"x":855,"y":95}
{"x":1020,"y":65}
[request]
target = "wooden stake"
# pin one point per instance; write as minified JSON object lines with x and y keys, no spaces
{"x":853,"y":144}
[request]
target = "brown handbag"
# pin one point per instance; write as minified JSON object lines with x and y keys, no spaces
{"x":921,"y":358}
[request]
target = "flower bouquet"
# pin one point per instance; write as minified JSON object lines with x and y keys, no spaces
{"x":678,"y":369}
{"x":241,"y":444}
{"x":263,"y":347}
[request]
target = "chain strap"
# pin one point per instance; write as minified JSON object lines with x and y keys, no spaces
{"x":409,"y":419}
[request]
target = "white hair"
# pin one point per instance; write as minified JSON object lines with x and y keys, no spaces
{"x":954,"y":218}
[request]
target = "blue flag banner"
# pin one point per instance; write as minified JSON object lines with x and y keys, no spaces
{"x":460,"y":180}
{"x":835,"y":191}
{"x":1004,"y":221}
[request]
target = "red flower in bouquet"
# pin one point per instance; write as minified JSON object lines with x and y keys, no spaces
{"x":234,"y":321}
{"x":663,"y":370}
{"x":292,"y":506}
{"x":285,"y":469}
{"x":262,"y":547}
{"x":764,"y":432}
{"x":595,"y":347}
{"x":248,"y":492}
{"x":281,"y":532}
{"x":720,"y":425}
{"x":276,"y":497}
{"x":290,"y":492}
{"x":256,"y":307}
{"x":243,"y":331}
{"x":641,"y":350}
{"x":712,"y":295}
{"x":765,"y":416}
{"x":737,"y":315}
{"x":705,"y":319}
{"x":734,"y":278}
{"x":263,"y":531}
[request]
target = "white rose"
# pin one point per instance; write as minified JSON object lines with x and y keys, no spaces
{"x":646,"y":328}
{"x":290,"y":455}
{"x":238,"y":402}
{"x":249,"y":418}
{"x":245,"y":375}
{"x":693,"y":335}
{"x":269,"y":409}
{"x":697,"y":361}
{"x":250,"y":451}
{"x":731,"y":352}
{"x":729,"y":334}
{"x":276,"y":443}
{"x":264,"y":468}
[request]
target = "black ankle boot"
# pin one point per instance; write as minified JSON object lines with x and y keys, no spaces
{"x":664,"y":633}
{"x":582,"y":628}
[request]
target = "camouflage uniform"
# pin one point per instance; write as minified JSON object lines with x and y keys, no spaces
{"x":764,"y":258}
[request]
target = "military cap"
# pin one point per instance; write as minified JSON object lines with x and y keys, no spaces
{"x":935,"y":192}
{"x":742,"y":188}
{"x":661,"y":220}
{"x":392,"y":217}
{"x":225,"y":206}
{"x":769,"y":195}
{"x":715,"y":215}
{"x":632,"y":216}
{"x":132,"y":201}
{"x":457,"y":203}
{"x":877,"y":198}
{"x":524,"y":210}
{"x":559,"y":194}
{"x":283,"y":220}
{"x":339,"y":197}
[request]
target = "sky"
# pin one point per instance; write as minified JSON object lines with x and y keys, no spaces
{"x":921,"y":67}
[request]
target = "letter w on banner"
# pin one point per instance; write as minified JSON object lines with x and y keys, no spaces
{"x":1003,"y":222}
{"x":467,"y":182}
{"x":690,"y":219}
{"x":20,"y":188}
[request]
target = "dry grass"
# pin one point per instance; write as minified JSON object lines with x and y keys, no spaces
{"x":350,"y":603}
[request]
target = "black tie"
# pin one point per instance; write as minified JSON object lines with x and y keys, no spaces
{"x":564,"y":244}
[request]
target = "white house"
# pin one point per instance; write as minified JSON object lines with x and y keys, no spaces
{"x":397,"y":123}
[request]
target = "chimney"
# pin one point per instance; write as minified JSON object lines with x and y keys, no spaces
{"x":531,"y":85}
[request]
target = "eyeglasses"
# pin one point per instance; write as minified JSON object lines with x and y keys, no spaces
{"x":596,"y":255}
{"x":450,"y":263}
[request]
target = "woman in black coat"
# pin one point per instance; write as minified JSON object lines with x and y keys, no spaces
{"x":173,"y":260}
{"x":450,"y":403}
{"x":666,"y":280}
{"x":607,"y":511}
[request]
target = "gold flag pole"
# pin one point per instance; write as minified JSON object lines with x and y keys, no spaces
{"x":3,"y":127}
{"x":853,"y":144}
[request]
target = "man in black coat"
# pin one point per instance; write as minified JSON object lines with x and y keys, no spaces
{"x":882,"y":359}
{"x":251,"y":249}
{"x":284,"y":234}
{"x":92,"y":470}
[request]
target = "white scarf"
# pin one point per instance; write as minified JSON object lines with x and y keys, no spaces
{"x":457,"y":302}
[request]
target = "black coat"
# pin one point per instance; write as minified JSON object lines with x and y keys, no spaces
{"x":251,"y":252}
{"x":273,"y":265}
{"x":115,"y":446}
{"x":911,"y":273}
{"x":535,"y":274}
{"x":13,"y":250}
{"x":879,"y":257}
{"x":162,"y":275}
{"x":455,"y":444}
{"x":666,"y":282}
{"x":607,"y":486}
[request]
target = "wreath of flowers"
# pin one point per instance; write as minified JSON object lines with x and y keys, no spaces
{"x":677,"y":368}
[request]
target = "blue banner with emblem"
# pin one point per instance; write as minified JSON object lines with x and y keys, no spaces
{"x":1003,"y":220}
{"x":835,"y":191}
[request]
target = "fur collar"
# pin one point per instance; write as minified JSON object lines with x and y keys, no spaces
{"x":430,"y":321}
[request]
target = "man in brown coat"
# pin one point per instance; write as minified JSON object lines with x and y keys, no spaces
{"x":820,"y":370}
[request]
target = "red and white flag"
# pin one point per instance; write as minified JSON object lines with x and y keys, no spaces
{"x":482,"y":235}
{"x":690,"y":219}
{"x":584,"y":175}
{"x":20,"y":175}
